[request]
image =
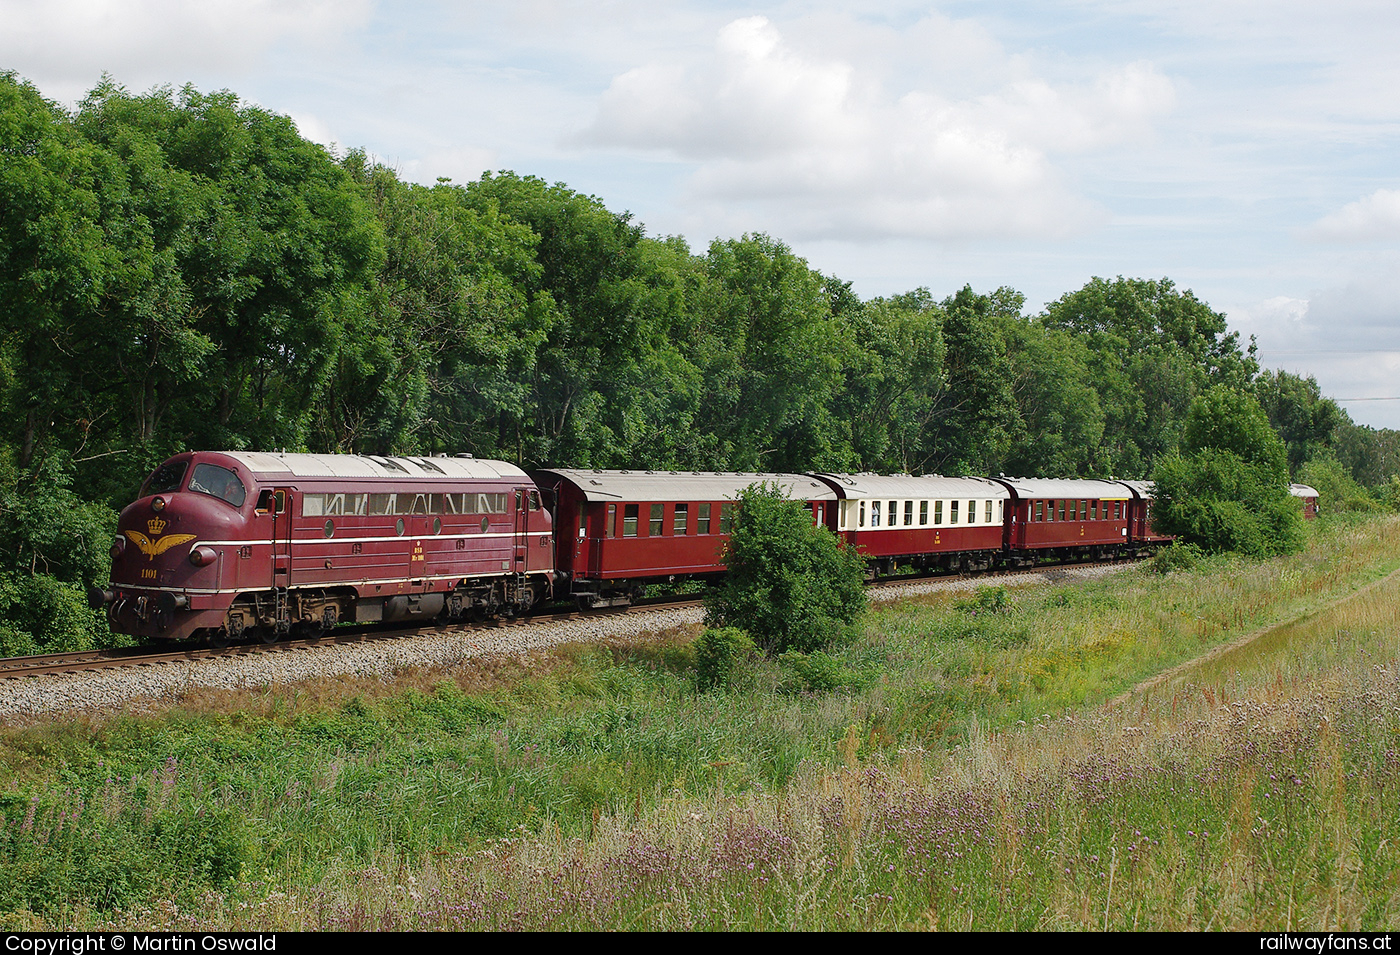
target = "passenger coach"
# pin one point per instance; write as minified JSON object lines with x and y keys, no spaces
{"x":1067,"y":518}
{"x":621,"y":530}
{"x":929,"y":522}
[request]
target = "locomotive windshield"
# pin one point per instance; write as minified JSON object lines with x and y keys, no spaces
{"x":167,"y":477}
{"x":218,"y":482}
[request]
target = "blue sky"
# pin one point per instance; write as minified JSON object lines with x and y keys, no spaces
{"x":1247,"y":150}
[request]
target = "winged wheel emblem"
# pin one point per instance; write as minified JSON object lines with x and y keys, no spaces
{"x":151,"y":548}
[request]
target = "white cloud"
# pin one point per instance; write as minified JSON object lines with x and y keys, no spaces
{"x":67,"y":42}
{"x":829,"y":143}
{"x":1374,"y":218}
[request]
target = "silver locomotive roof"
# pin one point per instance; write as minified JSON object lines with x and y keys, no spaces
{"x":682,"y":485}
{"x":272,"y":467}
{"x":855,"y":487}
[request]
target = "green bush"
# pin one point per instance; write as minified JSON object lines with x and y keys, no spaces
{"x":1226,"y":489}
{"x":1336,"y":489}
{"x":720,"y":656}
{"x":790,"y":585}
{"x":985,"y":600}
{"x":819,"y":672}
{"x":1179,"y":556}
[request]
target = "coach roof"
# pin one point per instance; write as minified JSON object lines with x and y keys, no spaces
{"x":854,"y":487}
{"x":652,"y":486}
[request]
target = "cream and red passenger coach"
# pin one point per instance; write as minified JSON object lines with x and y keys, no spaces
{"x":228,"y":542}
{"x":929,"y":522}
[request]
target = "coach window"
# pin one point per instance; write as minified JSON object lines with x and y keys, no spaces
{"x":923,"y":513}
{"x":989,"y":512}
{"x":972,"y":512}
{"x":874,"y":513}
{"x":702,"y":519}
{"x":938,"y":512}
{"x":894,"y":513}
{"x":1060,"y":510}
{"x":953,"y":511}
{"x":582,"y":521}
{"x":629,"y":520}
{"x":908,"y":513}
{"x":1083,"y":510}
{"x":612,"y":520}
{"x":680,"y":520}
{"x":726,"y":517}
{"x":657,"y":516}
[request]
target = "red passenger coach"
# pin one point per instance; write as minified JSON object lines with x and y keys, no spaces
{"x":930,"y":522}
{"x":621,"y":530}
{"x":228,"y":543}
{"x":1066,"y":518}
{"x":1141,"y":533}
{"x":1308,"y":495}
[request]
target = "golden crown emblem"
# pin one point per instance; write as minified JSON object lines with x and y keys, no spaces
{"x":155,"y":525}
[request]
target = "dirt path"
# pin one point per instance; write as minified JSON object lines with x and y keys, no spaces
{"x":1167,"y":675}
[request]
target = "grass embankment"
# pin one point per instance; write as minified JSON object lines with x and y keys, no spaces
{"x":944,"y":771}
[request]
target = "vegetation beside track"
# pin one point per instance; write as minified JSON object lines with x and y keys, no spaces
{"x":887,"y":784}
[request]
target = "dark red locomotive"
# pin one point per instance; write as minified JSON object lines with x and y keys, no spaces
{"x":228,"y":543}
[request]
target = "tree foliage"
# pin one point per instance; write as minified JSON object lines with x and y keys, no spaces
{"x":1227,"y":487}
{"x":790,"y":585}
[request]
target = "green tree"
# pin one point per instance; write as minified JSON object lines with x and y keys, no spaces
{"x":975,"y":420}
{"x":1227,"y":487}
{"x":1153,"y":349}
{"x":890,"y":395}
{"x":1305,"y":420}
{"x":772,"y":353}
{"x":790,"y":585}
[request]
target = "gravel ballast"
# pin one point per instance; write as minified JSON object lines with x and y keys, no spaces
{"x":111,"y":690}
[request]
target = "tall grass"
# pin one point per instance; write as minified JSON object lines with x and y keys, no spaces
{"x":943,"y":772}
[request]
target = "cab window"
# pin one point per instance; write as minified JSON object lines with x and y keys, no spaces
{"x":167,"y":478}
{"x":218,"y":482}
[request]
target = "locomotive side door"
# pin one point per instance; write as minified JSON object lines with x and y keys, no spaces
{"x":520,"y":540}
{"x":281,"y":537}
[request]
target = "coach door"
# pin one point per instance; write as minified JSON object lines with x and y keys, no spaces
{"x":281,"y":537}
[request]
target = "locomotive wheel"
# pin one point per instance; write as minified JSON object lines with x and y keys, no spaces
{"x":268,"y":635}
{"x":218,"y":639}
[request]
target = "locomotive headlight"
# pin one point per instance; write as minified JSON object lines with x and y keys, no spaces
{"x":158,"y":504}
{"x":203,"y":556}
{"x":117,"y":548}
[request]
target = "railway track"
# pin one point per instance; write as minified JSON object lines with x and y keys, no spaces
{"x":89,"y":660}
{"x":86,"y":660}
